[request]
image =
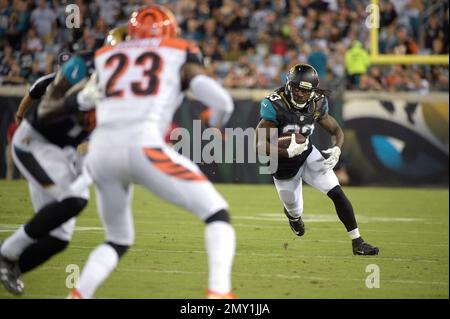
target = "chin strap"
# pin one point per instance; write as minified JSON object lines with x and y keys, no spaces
{"x":302,"y":106}
{"x":297,"y":105}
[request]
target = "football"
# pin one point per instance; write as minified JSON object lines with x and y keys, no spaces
{"x":285,"y":139}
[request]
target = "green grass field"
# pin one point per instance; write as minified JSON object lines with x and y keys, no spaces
{"x":168,"y":259}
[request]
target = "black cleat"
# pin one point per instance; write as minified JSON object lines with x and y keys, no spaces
{"x":297,"y":225}
{"x":360,"y":247}
{"x":10,"y":276}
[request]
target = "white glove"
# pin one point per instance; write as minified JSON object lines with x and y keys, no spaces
{"x":295,"y":149}
{"x":82,"y":182}
{"x":332,"y":160}
{"x":89,"y":96}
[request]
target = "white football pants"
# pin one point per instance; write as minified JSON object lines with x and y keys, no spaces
{"x":161,"y":170}
{"x":313,"y":173}
{"x":49,"y":170}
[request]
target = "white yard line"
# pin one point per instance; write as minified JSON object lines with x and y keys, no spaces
{"x":9,"y":228}
{"x":14,"y":227}
{"x":282,"y":276}
{"x":262,"y":254}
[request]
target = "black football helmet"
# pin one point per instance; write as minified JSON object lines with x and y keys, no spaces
{"x":301,"y":82}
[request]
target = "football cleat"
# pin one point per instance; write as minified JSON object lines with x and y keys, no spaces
{"x":74,"y":294}
{"x":297,"y":224}
{"x":213,"y":295}
{"x":10,"y":276}
{"x":360,"y":247}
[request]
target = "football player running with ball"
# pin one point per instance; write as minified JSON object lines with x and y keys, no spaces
{"x":142,"y":81}
{"x":295,"y":108}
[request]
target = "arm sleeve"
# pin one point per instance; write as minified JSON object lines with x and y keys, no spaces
{"x":324,"y":108}
{"x":267,"y":111}
{"x":213,"y":95}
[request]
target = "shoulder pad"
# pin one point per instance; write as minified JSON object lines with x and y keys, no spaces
{"x":318,"y":97}
{"x":322,"y":99}
{"x":276,"y":99}
{"x":321,"y":105}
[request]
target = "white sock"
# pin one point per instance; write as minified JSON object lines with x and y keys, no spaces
{"x":100,"y":264}
{"x":15,"y":244}
{"x":354,"y":233}
{"x":220,"y":241}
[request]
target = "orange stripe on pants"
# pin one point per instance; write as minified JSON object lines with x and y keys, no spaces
{"x":164,"y":164}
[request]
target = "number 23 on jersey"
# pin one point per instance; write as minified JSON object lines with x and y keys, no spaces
{"x":142,"y":74}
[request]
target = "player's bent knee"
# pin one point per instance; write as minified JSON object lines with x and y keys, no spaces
{"x":221,"y":215}
{"x":74,"y":205}
{"x":338,"y":197}
{"x":288,"y":197}
{"x":336,"y":193}
{"x":54,"y":215}
{"x":120,"y":249}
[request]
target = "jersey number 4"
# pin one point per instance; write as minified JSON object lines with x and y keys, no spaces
{"x":150,"y":84}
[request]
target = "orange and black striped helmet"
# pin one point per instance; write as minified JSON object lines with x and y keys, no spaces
{"x":152,"y":22}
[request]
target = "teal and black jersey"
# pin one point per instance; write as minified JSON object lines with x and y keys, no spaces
{"x":277,"y":108}
{"x":74,"y":129}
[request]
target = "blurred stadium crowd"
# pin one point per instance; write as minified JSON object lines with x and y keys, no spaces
{"x":246,"y":43}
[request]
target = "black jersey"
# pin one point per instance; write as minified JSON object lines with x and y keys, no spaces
{"x":75,"y":129}
{"x":277,"y":108}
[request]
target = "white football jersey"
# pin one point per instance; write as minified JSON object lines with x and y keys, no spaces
{"x":142,"y":89}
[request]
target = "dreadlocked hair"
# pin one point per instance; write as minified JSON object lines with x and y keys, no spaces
{"x":325,"y":92}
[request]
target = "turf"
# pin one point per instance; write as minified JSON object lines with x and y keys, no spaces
{"x":409,"y":225}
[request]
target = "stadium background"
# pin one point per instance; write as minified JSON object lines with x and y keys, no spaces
{"x":395,"y":115}
{"x":395,"y":118}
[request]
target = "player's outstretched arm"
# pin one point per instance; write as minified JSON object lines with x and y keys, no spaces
{"x":69,"y":79}
{"x":331,"y":126}
{"x":24,"y":105}
{"x":209,"y":92}
{"x":57,"y":108}
{"x":52,"y":105}
{"x":329,"y":123}
{"x":36,"y":92}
